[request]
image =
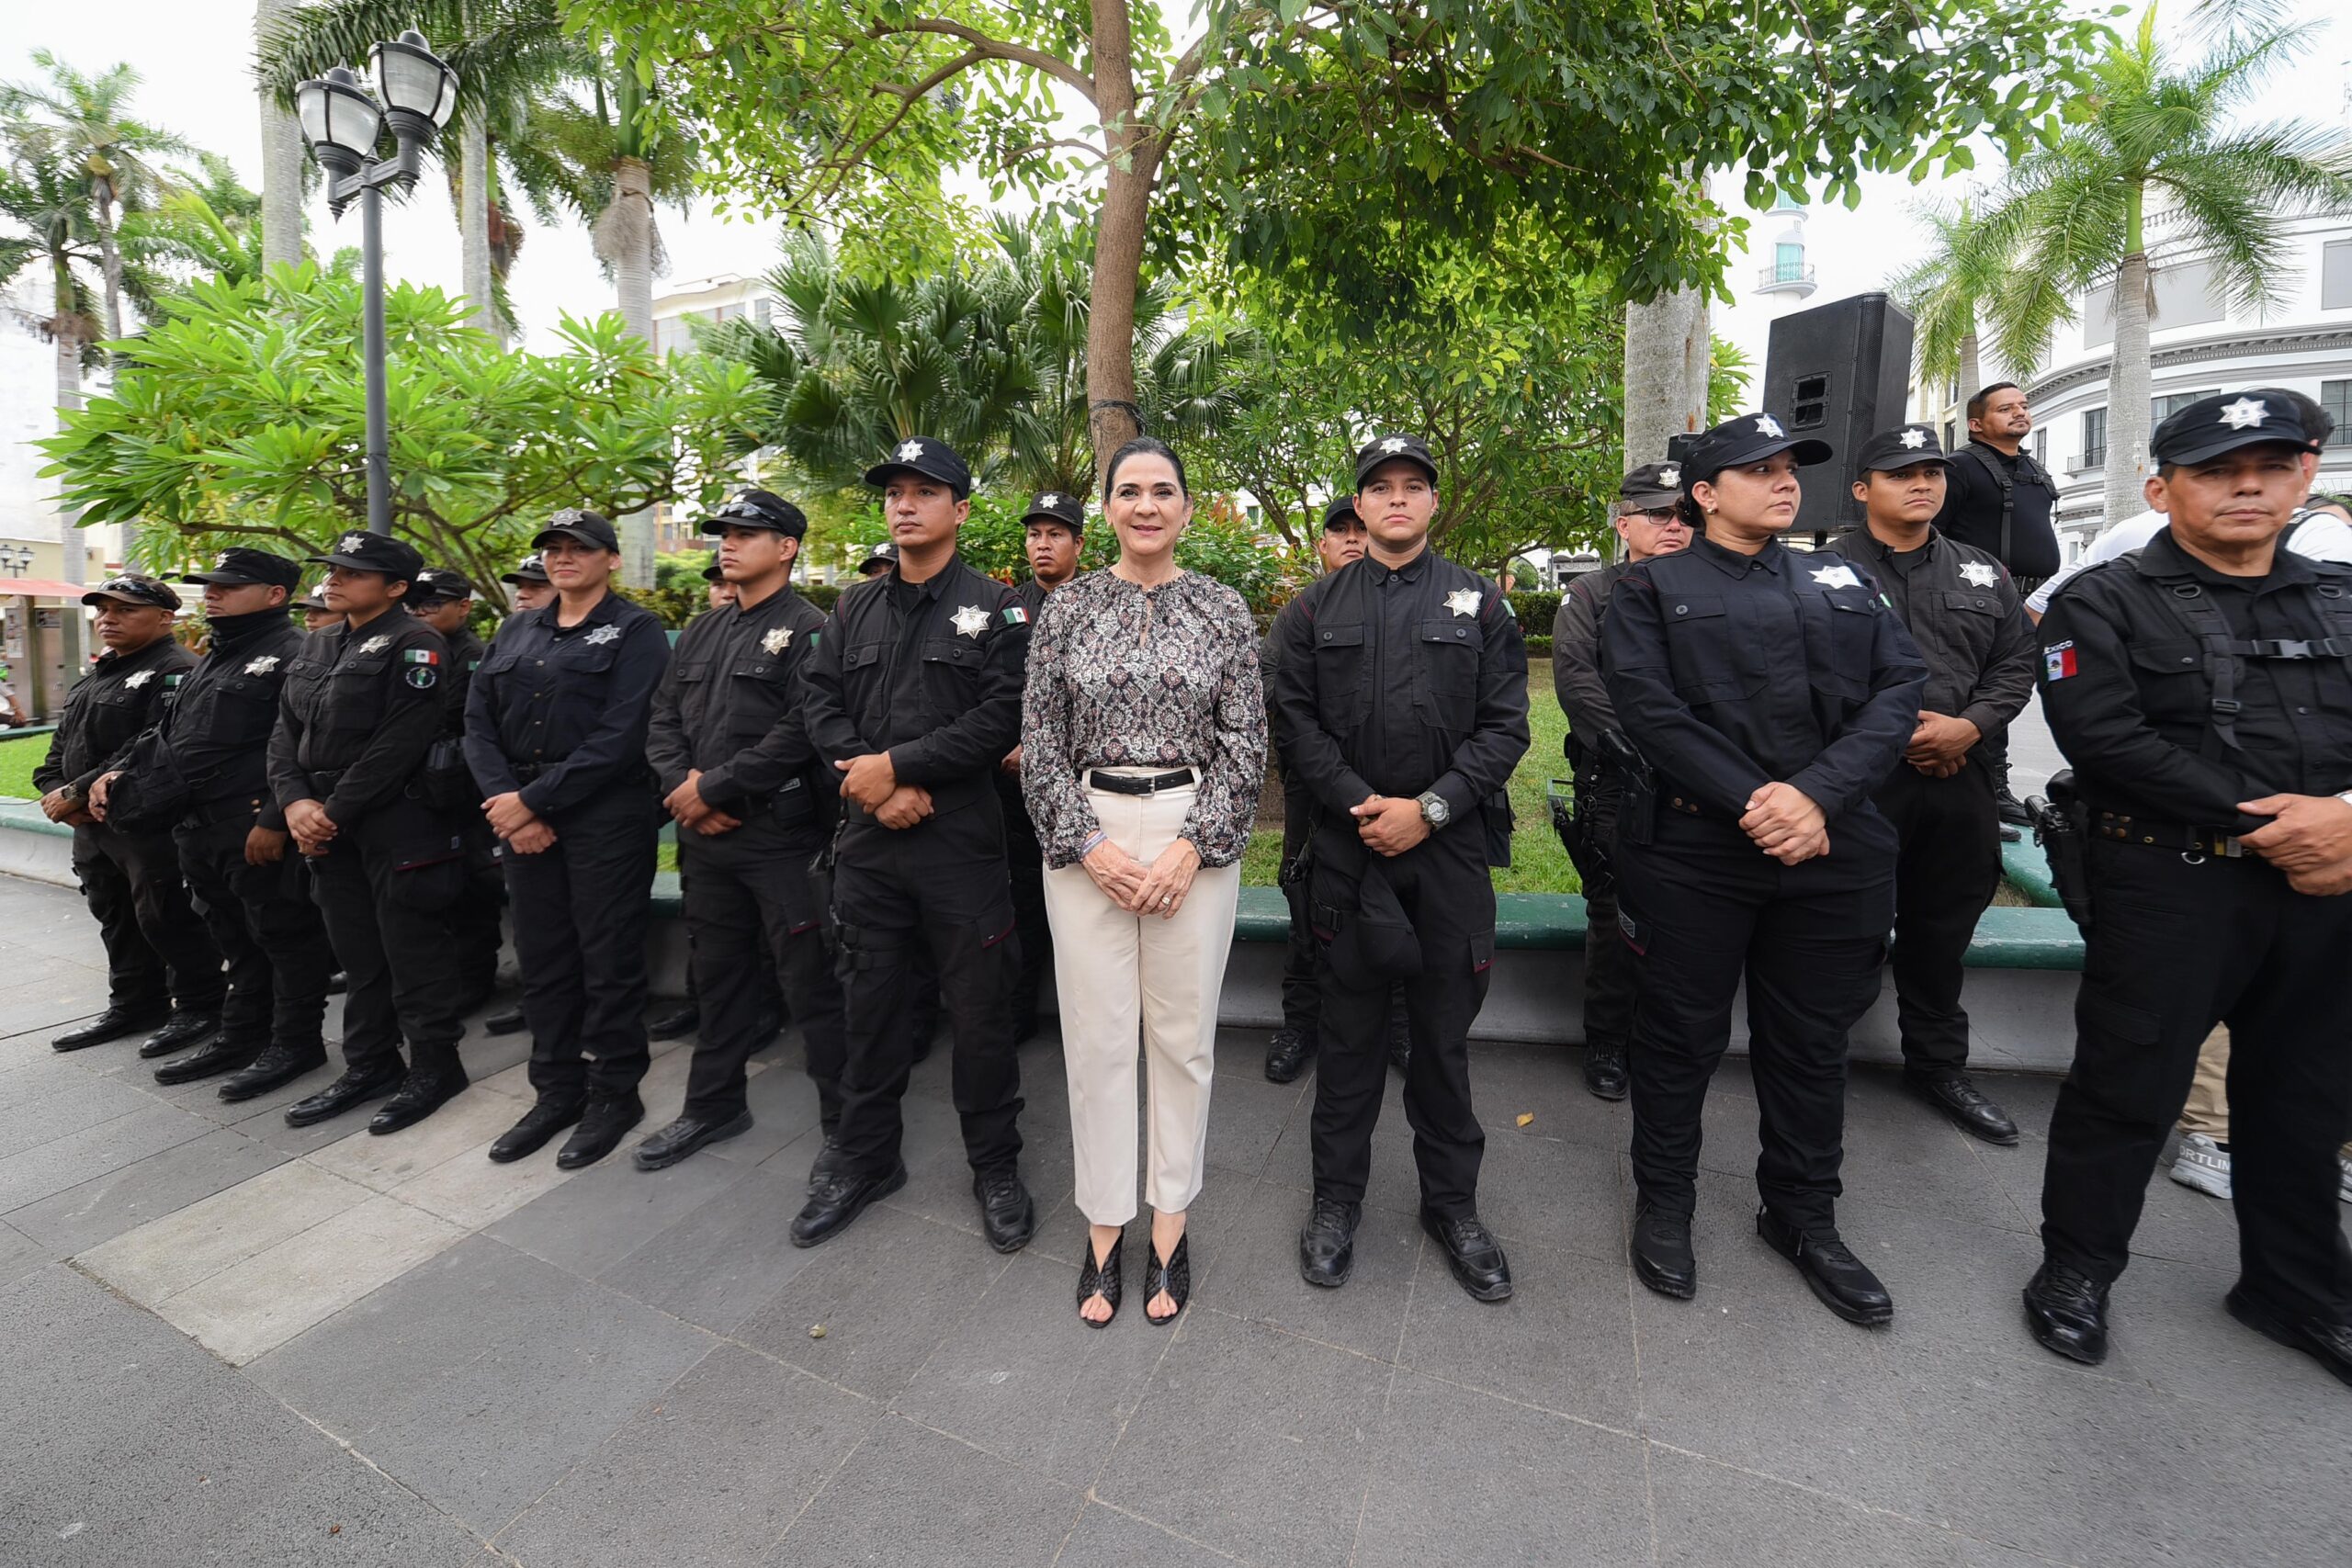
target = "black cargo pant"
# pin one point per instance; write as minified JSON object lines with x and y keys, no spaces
{"x":158,"y":953}
{"x":385,"y":887}
{"x":1609,"y":974}
{"x":1705,"y":906}
{"x":270,"y":937}
{"x":1449,"y":898}
{"x":2173,"y":948}
{"x":1945,"y":872}
{"x":1302,"y":960}
{"x":477,"y":919}
{"x":1025,"y":860}
{"x":756,"y":917}
{"x":581,"y":909}
{"x":941,"y":884}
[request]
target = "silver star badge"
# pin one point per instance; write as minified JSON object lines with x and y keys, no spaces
{"x":220,"y":560}
{"x":1394,"y":444}
{"x":777,"y":640}
{"x":1463,"y":601}
{"x":2246,"y":413}
{"x":1670,"y":476}
{"x":603,"y":635}
{"x":970,"y":620}
{"x":1049,"y":499}
{"x":1839,"y":576}
{"x":376,"y":644}
{"x":910,"y":450}
{"x":138,"y":679}
{"x":1915,"y":439}
{"x":349,"y":543}
{"x":1767,"y":425}
{"x":1977,"y":574}
{"x":262,"y":666}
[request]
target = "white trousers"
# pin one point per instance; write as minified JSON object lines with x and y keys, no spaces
{"x":1116,"y":973}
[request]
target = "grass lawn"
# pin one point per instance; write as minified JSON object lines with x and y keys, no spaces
{"x":17,"y":760}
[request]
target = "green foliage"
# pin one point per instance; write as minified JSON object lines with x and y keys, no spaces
{"x":1536,"y":610}
{"x":17,"y":760}
{"x":1729,"y":371}
{"x":243,"y":421}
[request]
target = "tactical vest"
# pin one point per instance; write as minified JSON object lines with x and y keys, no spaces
{"x":1998,"y":472}
{"x":2223,"y":649}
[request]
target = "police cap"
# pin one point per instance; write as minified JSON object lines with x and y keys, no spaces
{"x":378,"y":553}
{"x":1653,"y":487}
{"x":2227,"y":420}
{"x":1057,"y":506}
{"x":1340,"y":510}
{"x":440,"y":582}
{"x":757,"y":509}
{"x":532,"y":568}
{"x":1382,"y":449}
{"x":931,"y":457}
{"x":1905,"y":446}
{"x":238,"y":567}
{"x":132,"y":588}
{"x":1749,"y":438}
{"x":581,"y":526}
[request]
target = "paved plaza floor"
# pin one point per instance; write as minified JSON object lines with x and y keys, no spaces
{"x":226,"y":1342}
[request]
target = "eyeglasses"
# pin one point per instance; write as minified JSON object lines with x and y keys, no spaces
{"x":1660,"y":517}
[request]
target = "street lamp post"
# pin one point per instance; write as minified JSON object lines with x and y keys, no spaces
{"x":415,"y":91}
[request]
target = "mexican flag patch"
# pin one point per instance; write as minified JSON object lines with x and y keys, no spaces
{"x":419,"y":656}
{"x":2058,"y":661}
{"x":1014,"y":615}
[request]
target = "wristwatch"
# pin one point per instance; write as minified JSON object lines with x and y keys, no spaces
{"x":1434,"y":810}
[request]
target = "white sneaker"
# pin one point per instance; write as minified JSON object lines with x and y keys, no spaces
{"x":2343,"y":1190}
{"x":2202,"y":1164}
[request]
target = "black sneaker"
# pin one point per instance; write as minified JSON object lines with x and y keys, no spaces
{"x":1287,"y":1054}
{"x":841,"y":1198}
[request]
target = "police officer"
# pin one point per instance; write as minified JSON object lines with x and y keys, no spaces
{"x":1965,"y":614}
{"x":162,"y":971}
{"x":362,"y":708}
{"x":914,"y":695}
{"x":316,"y":615}
{"x":878,"y":561}
{"x":532,"y":589}
{"x":443,"y":599}
{"x":1052,"y":531}
{"x":2201,"y":686}
{"x":555,"y":729}
{"x":719,"y":591}
{"x":753,"y":803}
{"x":1649,"y":520}
{"x":202,"y":767}
{"x":1769,"y":693}
{"x":1401,"y":701}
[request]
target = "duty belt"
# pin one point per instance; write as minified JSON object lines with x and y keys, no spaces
{"x":1140,"y":783}
{"x":228,"y":809}
{"x":2188,"y":840}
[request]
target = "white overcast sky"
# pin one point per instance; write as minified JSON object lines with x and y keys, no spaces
{"x":195,"y":60}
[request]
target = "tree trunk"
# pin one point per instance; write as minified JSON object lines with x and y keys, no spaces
{"x":68,"y":338}
{"x":473,"y":220}
{"x":1970,"y":367}
{"x":1113,"y":418}
{"x":625,"y":237}
{"x":281,"y":163}
{"x":2128,"y":400}
{"x":110,"y":255}
{"x":1666,"y":351}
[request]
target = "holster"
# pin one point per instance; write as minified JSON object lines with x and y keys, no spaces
{"x":2061,"y":827}
{"x":445,"y":783}
{"x":820,"y":870}
{"x":1494,"y":817}
{"x":1637,"y":813}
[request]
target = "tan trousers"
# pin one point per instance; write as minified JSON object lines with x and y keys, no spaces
{"x":2208,"y":1111}
{"x":1116,"y":973}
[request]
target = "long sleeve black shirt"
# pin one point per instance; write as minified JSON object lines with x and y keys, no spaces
{"x":559,"y":714}
{"x":1959,"y":605}
{"x":212,"y":742}
{"x":362,"y":705}
{"x":1731,"y":672}
{"x":731,"y":706}
{"x":122,"y":696}
{"x":2124,"y":686}
{"x":1576,"y":652}
{"x":1399,"y":680}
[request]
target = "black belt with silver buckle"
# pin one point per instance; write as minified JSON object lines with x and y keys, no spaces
{"x":2126,"y":829}
{"x":1141,"y":783}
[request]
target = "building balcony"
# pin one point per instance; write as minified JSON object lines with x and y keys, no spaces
{"x":2088,"y":462}
{"x":1784,"y":278}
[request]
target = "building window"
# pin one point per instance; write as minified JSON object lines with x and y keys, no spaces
{"x":2335,"y":275}
{"x":2093,"y":438}
{"x":2335,"y":397}
{"x":2041,"y":447}
{"x":1788,"y":262}
{"x":2163,"y":407}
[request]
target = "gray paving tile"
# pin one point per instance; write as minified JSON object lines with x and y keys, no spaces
{"x":40,"y":1119}
{"x":2177,"y":1222}
{"x":608,"y":1211}
{"x":886,"y":1291}
{"x":1256,"y":1274}
{"x":52,"y":1167}
{"x":203,"y":1097}
{"x":1553,"y":1193}
{"x":1395,"y":1182}
{"x":1253,"y":1442}
{"x":168,"y":1254}
{"x":1563,"y":1341}
{"x":106,"y":1206}
{"x":1710,"y":1516}
{"x":709,"y":1474}
{"x":1511,"y":1080}
{"x":19,"y":1253}
{"x":1465,"y":1478}
{"x":481,"y":1377}
{"x":2169,"y":1329}
{"x":1107,"y":1535}
{"x":909,"y":1497}
{"x":1246,"y":1120}
{"x":939,"y":1175}
{"x":784,"y":1107}
{"x":341,"y":1511}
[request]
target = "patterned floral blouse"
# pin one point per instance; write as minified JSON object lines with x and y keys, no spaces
{"x":1125,"y":676}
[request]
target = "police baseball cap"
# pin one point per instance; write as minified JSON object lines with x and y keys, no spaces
{"x":378,"y":553}
{"x":314,"y":600}
{"x":130,"y":588}
{"x":1390,"y":448}
{"x":1338,"y":509}
{"x":1057,"y":506}
{"x":1653,"y":487}
{"x":711,"y":572}
{"x":581,"y":526}
{"x":440,"y":582}
{"x":2227,"y":420}
{"x":880,"y":554}
{"x":757,"y":509}
{"x":532,"y":568}
{"x":238,"y":567}
{"x":1749,"y":438}
{"x":1905,"y":446}
{"x":933,"y":459}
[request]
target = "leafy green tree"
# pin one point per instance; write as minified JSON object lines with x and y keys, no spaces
{"x":243,"y":421}
{"x":1950,"y":292}
{"x":210,"y":224}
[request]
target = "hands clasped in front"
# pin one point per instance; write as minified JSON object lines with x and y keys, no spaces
{"x":1140,"y":890}
{"x":2309,"y":837}
{"x":1786,"y":824}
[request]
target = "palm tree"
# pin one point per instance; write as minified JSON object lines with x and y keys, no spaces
{"x":83,"y":121}
{"x":1950,"y":292}
{"x":2075,"y":213}
{"x":211,"y":224}
{"x":286,"y":173}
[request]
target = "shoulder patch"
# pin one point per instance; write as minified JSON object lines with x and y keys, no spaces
{"x":422,"y":676}
{"x":2058,"y":661}
{"x":1015,"y":615}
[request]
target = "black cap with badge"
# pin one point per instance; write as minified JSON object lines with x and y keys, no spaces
{"x":440,"y":582}
{"x":580,"y":525}
{"x":711,"y":572}
{"x":1653,"y":487}
{"x":532,"y":568}
{"x":757,"y":509}
{"x":1392,"y":448}
{"x":1340,"y":510}
{"x":1905,"y":446}
{"x":238,"y":567}
{"x":315,"y":602}
{"x":132,"y":588}
{"x":883,"y":555}
{"x":1749,"y":438}
{"x":932,"y":458}
{"x":2227,"y":420}
{"x":378,"y":553}
{"x":1057,"y":506}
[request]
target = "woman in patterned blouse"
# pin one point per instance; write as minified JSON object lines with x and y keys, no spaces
{"x":1143,"y":744}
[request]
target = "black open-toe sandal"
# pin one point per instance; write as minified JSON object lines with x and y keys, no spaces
{"x":1175,"y":1277}
{"x":1104,"y":1280}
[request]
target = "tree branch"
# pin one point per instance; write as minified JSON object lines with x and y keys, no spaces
{"x":989,"y":48}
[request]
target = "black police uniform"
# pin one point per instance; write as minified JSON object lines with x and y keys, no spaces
{"x":1407,"y":681}
{"x":362,"y":708}
{"x":558,"y":715}
{"x":2178,"y":692}
{"x":2000,"y":502}
{"x":931,"y":673}
{"x":731,"y":707}
{"x":476,"y":919}
{"x":159,"y":956}
{"x":203,"y":767}
{"x":1024,"y":857}
{"x":1965,"y":614}
{"x":1729,"y":672}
